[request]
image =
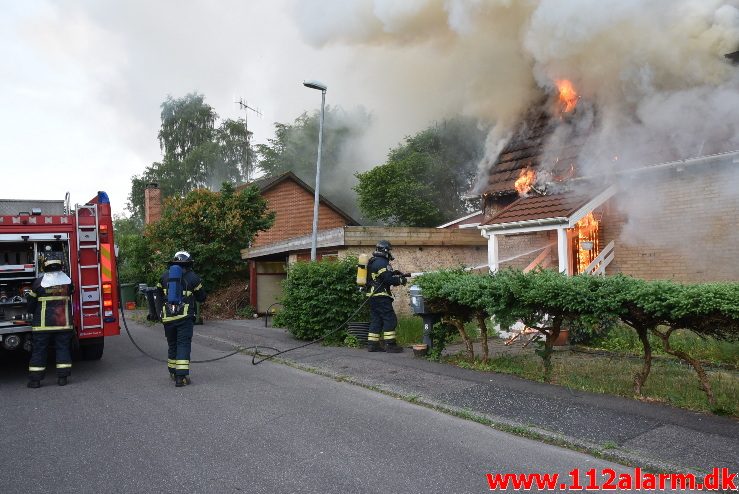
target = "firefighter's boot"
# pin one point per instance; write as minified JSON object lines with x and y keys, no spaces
{"x":392,"y":347}
{"x":62,"y":381}
{"x":34,"y":384}
{"x":373,"y":343}
{"x":374,"y":346}
{"x":181,"y":381}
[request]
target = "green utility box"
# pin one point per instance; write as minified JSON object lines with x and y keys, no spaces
{"x":128,"y":294}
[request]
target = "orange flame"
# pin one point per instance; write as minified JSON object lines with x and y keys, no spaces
{"x":525,"y":181}
{"x":567,"y":95}
{"x":588,"y":241}
{"x":587,"y":224}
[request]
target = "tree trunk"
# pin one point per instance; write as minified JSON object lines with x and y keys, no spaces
{"x":465,"y":337}
{"x":546,"y":355}
{"x":641,"y":377}
{"x":702,"y":376}
{"x":484,"y":335}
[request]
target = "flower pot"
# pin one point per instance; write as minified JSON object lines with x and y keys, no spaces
{"x":563,"y":338}
{"x":420,"y":350}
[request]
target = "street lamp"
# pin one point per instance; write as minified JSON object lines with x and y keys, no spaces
{"x":314,"y":238}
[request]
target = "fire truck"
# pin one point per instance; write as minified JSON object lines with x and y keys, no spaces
{"x":83,"y":236}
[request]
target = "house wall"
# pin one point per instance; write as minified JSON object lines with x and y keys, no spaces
{"x":678,"y":225}
{"x":293,"y":206}
{"x":516,"y":250}
{"x":416,"y":259}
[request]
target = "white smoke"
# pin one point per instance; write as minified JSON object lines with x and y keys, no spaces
{"x":644,"y":66}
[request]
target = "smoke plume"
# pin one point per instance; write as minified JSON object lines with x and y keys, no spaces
{"x":653,"y":81}
{"x":645,"y":66}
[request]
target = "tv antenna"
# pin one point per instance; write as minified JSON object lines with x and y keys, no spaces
{"x":245,"y":106}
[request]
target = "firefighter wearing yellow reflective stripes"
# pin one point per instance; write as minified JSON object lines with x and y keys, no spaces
{"x":382,"y":316}
{"x":179,"y":289}
{"x":50,"y":302}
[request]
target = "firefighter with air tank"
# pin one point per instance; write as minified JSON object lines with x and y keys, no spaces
{"x":179,"y":288}
{"x":379,"y":277}
{"x":50,"y":302}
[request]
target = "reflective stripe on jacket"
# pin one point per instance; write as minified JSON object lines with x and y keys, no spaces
{"x":51,"y":307}
{"x":381,"y":277}
{"x":192,"y":291}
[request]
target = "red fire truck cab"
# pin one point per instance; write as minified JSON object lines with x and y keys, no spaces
{"x":84,"y":238}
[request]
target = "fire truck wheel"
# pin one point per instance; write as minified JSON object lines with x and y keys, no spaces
{"x":92,"y":349}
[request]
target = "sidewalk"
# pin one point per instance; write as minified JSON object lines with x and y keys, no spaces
{"x":642,"y":434}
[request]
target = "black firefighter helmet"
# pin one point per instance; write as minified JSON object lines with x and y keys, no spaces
{"x":182,"y":258}
{"x":384,"y":247}
{"x":52,"y":261}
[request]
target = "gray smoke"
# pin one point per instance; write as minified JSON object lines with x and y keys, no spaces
{"x":653,"y":80}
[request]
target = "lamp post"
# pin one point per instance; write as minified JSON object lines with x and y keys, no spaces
{"x":314,"y":238}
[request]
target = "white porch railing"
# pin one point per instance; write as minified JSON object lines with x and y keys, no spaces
{"x":599,"y":264}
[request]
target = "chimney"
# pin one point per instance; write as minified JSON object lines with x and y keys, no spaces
{"x":152,"y":203}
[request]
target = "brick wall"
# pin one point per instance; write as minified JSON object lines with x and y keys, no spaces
{"x":516,"y":250}
{"x":429,"y":258}
{"x":293,"y":206}
{"x":680,"y":226}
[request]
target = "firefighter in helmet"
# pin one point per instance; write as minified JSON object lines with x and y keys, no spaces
{"x":382,"y":316}
{"x":50,"y":302}
{"x":179,"y":288}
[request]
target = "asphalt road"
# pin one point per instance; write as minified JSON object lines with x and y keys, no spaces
{"x":121,"y":426}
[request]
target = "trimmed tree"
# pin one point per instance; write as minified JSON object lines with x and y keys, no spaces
{"x":212,"y":227}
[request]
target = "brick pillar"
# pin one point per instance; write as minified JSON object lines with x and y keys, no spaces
{"x":152,"y":203}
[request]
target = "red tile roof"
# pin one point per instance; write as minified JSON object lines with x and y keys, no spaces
{"x":538,"y":207}
{"x":525,"y":149}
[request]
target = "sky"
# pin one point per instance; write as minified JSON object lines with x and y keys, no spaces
{"x":81,"y":81}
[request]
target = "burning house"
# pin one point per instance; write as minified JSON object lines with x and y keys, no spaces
{"x":545,"y":205}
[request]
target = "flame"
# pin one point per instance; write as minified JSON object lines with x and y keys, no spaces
{"x":567,"y":95}
{"x":587,"y":224}
{"x":588,"y":241}
{"x":525,"y":181}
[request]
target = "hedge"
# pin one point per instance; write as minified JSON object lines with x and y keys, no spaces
{"x":319,"y":296}
{"x":549,"y":301}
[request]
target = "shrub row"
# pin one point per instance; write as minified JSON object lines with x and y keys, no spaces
{"x":549,"y":301}
{"x":318,"y":297}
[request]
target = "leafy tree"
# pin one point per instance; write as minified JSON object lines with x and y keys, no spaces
{"x":423,"y":180}
{"x":133,"y":251}
{"x":395,"y":193}
{"x":196,"y":153}
{"x":295,"y":147}
{"x":232,"y":138}
{"x":212,"y":226}
{"x":187,"y":123}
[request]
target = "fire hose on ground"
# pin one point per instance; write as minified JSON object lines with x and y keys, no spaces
{"x":254,"y":348}
{"x":428,"y":322}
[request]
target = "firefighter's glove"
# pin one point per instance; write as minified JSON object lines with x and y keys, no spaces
{"x":403,"y":281}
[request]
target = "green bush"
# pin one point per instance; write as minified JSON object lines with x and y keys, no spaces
{"x":318,"y":297}
{"x":550,"y":301}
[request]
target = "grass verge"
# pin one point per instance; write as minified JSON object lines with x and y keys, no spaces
{"x":625,"y":340}
{"x":669,"y":382}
